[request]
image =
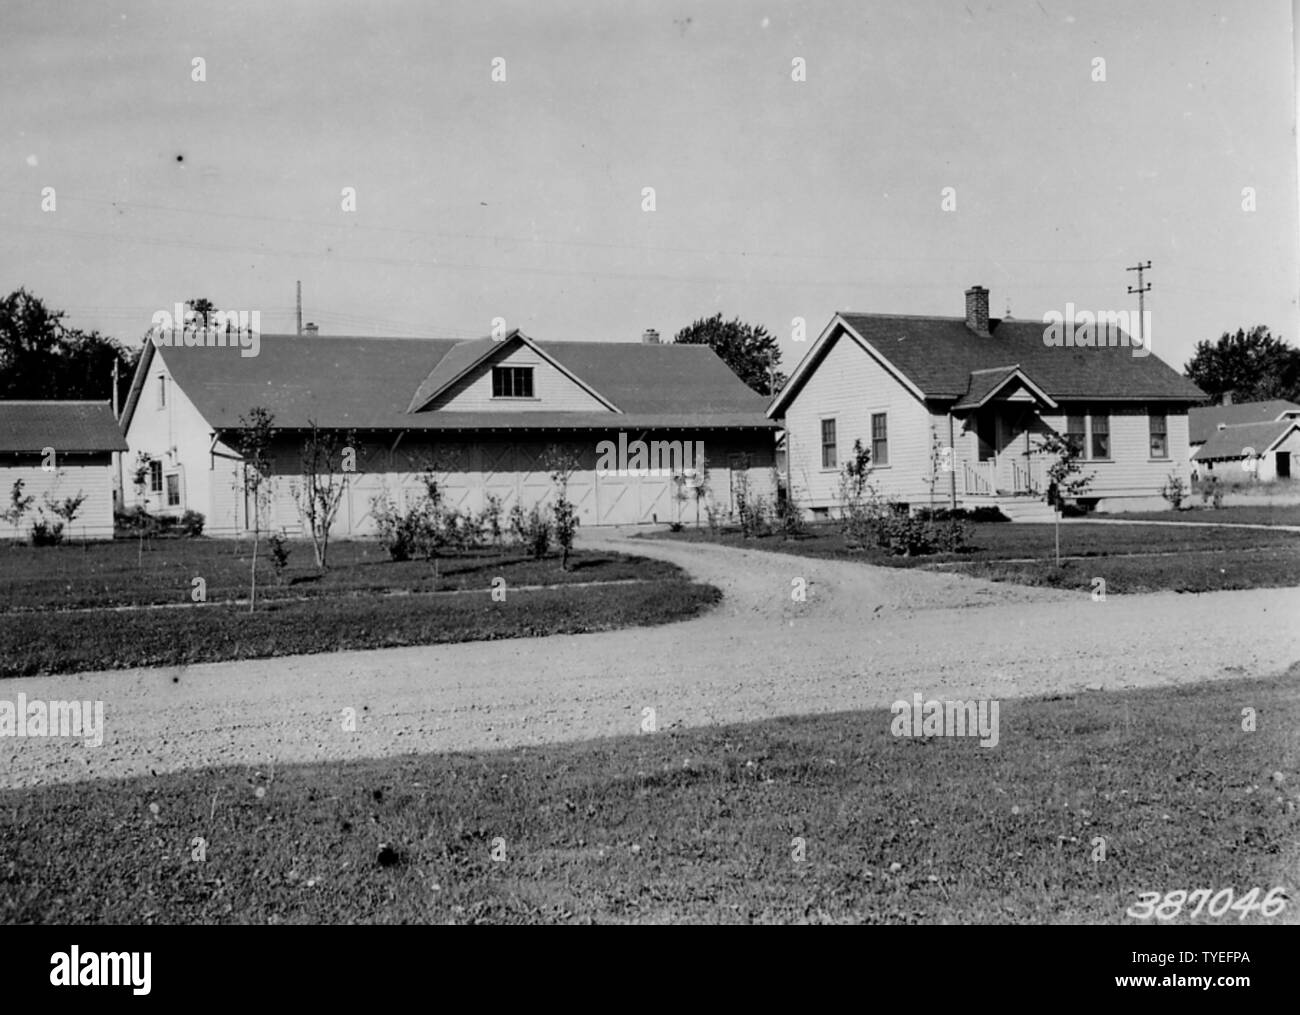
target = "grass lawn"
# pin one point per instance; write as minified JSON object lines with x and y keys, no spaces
{"x":110,"y":573}
{"x":1245,"y":514}
{"x":1131,"y":558}
{"x":700,"y":825}
{"x":364,"y":601}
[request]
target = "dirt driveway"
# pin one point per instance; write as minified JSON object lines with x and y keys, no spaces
{"x":865,"y":637}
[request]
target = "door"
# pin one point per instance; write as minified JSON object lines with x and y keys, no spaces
{"x":1284,"y":465}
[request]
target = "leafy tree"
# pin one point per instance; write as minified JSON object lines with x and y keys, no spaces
{"x":42,"y":358}
{"x":1064,"y":475}
{"x":1252,"y":364}
{"x":749,"y":350}
{"x":256,"y":434}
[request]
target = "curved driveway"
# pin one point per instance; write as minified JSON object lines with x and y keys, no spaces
{"x":864,"y":637}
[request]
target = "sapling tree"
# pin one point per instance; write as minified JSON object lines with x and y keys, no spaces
{"x":328,"y":460}
{"x":256,"y":434}
{"x":561,"y":463}
{"x":140,"y":480}
{"x":18,"y":505}
{"x":1064,"y":475}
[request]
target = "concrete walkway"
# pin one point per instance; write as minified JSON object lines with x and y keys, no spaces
{"x":864,"y":637}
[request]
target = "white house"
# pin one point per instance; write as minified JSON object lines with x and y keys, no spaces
{"x":1244,"y":438}
{"x":482,"y":411}
{"x":952,"y":410}
{"x":59,"y":450}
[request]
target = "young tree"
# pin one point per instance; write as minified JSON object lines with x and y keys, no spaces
{"x":1064,"y":475}
{"x":256,"y":435}
{"x":561,"y":463}
{"x":140,"y":480}
{"x":328,"y":459}
{"x":18,"y":505}
{"x":749,"y":350}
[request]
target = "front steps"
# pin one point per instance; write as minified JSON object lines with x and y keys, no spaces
{"x":1017,"y":509}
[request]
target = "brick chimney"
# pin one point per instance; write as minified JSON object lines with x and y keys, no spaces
{"x":310,"y":329}
{"x":977,"y":309}
{"x":650,"y":337}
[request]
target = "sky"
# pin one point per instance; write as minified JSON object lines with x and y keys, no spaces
{"x":774,"y":198}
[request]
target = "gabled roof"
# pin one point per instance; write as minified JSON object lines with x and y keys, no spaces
{"x":1203,"y":420}
{"x":464,"y":357}
{"x":934,"y":358}
{"x":1232,"y":441}
{"x":68,"y":427}
{"x":984,"y":384}
{"x":370,"y":383}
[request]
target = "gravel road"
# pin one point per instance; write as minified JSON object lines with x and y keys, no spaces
{"x":865,"y":637}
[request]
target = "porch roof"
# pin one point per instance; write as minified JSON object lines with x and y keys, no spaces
{"x":986,"y":383}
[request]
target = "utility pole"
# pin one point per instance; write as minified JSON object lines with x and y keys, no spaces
{"x":299,"y":306}
{"x":1141,"y":291}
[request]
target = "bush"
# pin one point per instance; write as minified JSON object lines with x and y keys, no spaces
{"x":1212,"y":490}
{"x":489,"y":520}
{"x":46,"y":533}
{"x":1174,"y":490}
{"x":192,"y":523}
{"x":400,"y":533}
{"x":278,"y":544}
{"x":790,"y":517}
{"x":532,"y":531}
{"x":984,"y":513}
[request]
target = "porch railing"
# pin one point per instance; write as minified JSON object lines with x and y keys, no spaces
{"x":1025,"y":476}
{"x":977,"y":481}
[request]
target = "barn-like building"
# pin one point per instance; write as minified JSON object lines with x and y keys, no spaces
{"x":483,"y":411}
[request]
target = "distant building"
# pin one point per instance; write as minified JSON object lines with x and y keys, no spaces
{"x":951,"y":410}
{"x":484,"y":411}
{"x":59,"y":450}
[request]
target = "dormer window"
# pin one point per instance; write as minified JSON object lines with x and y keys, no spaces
{"x":512,"y":382}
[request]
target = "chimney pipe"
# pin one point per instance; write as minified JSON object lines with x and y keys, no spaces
{"x":977,"y":310}
{"x":650,"y":337}
{"x":310,"y":329}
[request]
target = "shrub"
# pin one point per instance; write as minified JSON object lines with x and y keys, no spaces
{"x":399,"y":532}
{"x":984,"y":513}
{"x":489,"y":520}
{"x":46,"y":533}
{"x":1212,"y":490}
{"x":278,"y":543}
{"x":532,"y":530}
{"x":713,"y":515}
{"x":1174,"y":490}
{"x":192,"y":523}
{"x":790,"y":516}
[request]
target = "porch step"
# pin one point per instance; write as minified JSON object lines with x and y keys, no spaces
{"x":1026,"y":509}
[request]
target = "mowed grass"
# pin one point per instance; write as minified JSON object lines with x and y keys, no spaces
{"x":1131,"y":558}
{"x":703,"y":825}
{"x":110,"y":574}
{"x":73,"y":609}
{"x":1244,"y":514}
